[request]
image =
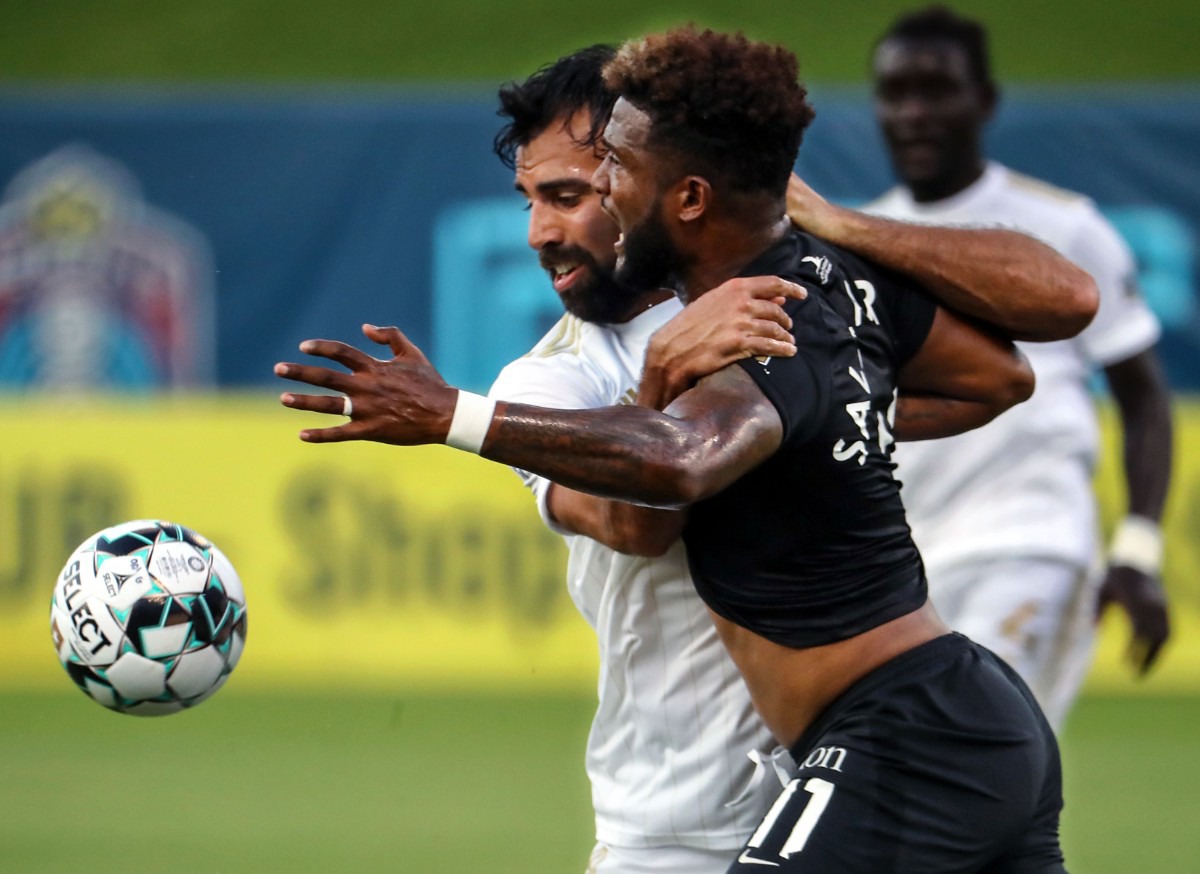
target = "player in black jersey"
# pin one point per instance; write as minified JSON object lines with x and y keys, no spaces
{"x":919,"y":752}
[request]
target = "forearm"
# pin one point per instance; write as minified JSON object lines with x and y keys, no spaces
{"x":704,"y":441}
{"x":1004,"y":277}
{"x":624,"y":453}
{"x":620,"y":526}
{"x":1147,"y":456}
{"x":1144,"y":402}
{"x":929,"y":417}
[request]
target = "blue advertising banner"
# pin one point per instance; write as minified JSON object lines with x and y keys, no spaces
{"x":220,"y":229}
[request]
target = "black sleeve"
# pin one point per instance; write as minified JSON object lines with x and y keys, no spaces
{"x":800,"y":386}
{"x":910,"y":311}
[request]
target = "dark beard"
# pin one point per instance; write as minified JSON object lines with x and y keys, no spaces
{"x":597,"y":297}
{"x":650,"y":259}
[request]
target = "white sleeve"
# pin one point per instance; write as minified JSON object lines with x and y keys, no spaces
{"x":1124,"y":325}
{"x":561,"y":382}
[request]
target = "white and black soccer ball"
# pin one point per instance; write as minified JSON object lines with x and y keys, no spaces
{"x":148,"y":617}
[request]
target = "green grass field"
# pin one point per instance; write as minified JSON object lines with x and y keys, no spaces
{"x":251,"y":783}
{"x":485,"y":41}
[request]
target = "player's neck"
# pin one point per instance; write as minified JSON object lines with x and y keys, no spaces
{"x":647,"y":301}
{"x":948,"y":184}
{"x":725,"y":254}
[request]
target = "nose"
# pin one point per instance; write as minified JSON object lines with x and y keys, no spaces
{"x":600,"y":178}
{"x":544,"y":228}
{"x":907,"y":107}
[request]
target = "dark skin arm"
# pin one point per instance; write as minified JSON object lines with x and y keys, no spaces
{"x":737,"y":319}
{"x":706,"y":439}
{"x":963,"y":376}
{"x":1005,"y":278}
{"x":1143,"y":400}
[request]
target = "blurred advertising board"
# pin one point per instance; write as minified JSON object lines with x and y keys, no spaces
{"x":369,"y":566}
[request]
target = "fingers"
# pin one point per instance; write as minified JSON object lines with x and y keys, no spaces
{"x":338,"y":434}
{"x":394,"y":339}
{"x":1151,"y":632}
{"x":769,"y":287}
{"x":391,"y":336}
{"x":765,"y":347}
{"x":334,"y":350}
{"x":770,"y":311}
{"x":1145,"y":654}
{"x":334,"y":405}
{"x":321,"y":377}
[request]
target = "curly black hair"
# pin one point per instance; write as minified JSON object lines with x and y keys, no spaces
{"x":731,"y":107}
{"x":556,"y":91}
{"x":942,"y":24}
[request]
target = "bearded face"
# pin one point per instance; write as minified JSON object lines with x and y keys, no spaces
{"x":586,"y":283}
{"x":647,"y":257}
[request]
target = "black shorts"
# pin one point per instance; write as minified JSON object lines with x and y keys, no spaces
{"x":937,"y":762}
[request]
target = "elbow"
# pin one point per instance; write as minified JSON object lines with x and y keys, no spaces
{"x":1017,"y":388}
{"x":687,"y":482}
{"x":1081,"y":300}
{"x":646,"y":541}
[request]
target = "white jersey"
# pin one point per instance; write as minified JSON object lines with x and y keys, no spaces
{"x":1022,"y":485}
{"x":668,"y":748}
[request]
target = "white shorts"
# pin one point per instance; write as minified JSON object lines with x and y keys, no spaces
{"x":1037,"y":615}
{"x":607,"y":859}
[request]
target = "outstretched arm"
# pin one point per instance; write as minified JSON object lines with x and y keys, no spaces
{"x":703,"y":442}
{"x":1003,"y":277}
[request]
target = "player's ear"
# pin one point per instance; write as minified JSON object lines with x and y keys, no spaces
{"x":693,"y":197}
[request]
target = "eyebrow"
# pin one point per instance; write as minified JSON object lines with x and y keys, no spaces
{"x":550,"y":185}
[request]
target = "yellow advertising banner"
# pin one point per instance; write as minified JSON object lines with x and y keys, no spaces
{"x":372,"y":566}
{"x":363,"y":565}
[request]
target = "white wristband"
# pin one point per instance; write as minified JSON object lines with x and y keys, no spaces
{"x":1138,"y":544}
{"x":472,"y":418}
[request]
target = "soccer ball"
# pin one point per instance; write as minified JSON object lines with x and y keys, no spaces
{"x":148,"y":617}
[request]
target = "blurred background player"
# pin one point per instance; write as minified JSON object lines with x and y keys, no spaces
{"x":1005,"y":516}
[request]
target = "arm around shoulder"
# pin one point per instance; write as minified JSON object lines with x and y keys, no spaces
{"x":622,"y":527}
{"x":962,"y":377}
{"x":1003,"y":277}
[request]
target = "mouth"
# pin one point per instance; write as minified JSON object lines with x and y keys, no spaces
{"x":918,"y":148}
{"x":562,"y":276}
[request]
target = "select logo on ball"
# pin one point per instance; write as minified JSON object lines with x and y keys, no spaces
{"x":148,"y":618}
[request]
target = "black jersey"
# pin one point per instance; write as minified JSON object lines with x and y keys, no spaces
{"x":812,"y":546}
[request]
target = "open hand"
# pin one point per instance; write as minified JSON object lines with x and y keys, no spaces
{"x":403,"y":400}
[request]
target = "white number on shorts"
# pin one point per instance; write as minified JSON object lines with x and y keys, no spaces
{"x":820,"y":791}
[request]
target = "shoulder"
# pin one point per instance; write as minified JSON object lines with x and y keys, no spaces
{"x":891,"y":201}
{"x":565,"y":338}
{"x":1042,"y":204}
{"x":1044,"y":192}
{"x":566,"y":368}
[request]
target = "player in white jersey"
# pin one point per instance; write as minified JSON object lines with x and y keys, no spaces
{"x":681,"y":768}
{"x":667,"y":755}
{"x":1005,"y":516}
{"x":676,"y":756}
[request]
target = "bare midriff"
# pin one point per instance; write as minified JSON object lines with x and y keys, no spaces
{"x":791,"y":687}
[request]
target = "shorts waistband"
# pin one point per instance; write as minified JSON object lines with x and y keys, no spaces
{"x":939,"y":649}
